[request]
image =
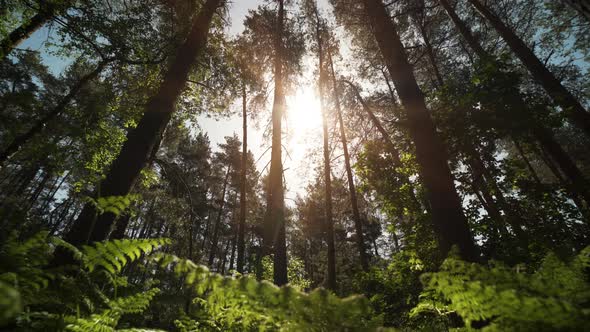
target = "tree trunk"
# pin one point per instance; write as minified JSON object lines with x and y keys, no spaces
{"x":24,"y":31}
{"x":463,"y":30}
{"x":526,"y":161}
{"x":206,"y":231}
{"x":50,"y":115}
{"x":233,"y":252}
{"x":450,"y":224}
{"x":356,"y":216}
{"x":561,"y":96}
{"x":429,"y":50}
{"x":242,"y":221}
{"x":274,"y":229}
{"x":575,"y":178}
{"x":329,"y":223}
{"x":218,"y":220}
{"x":134,"y":155}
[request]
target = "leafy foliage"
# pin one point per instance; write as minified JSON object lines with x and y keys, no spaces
{"x":244,"y":304}
{"x":554,"y":297}
{"x":48,"y":298}
{"x":295,"y":272}
{"x":221,"y":303}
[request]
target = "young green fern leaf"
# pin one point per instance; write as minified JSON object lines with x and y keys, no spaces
{"x":115,"y":254}
{"x":108,"y":319}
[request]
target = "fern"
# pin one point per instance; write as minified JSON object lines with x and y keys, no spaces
{"x":88,"y":300}
{"x":242,"y":303}
{"x":78,"y":302}
{"x":114,"y":255}
{"x":21,"y":273}
{"x":10,"y":302}
{"x":555,"y":297}
{"x":113,"y":204}
{"x":108,"y":319}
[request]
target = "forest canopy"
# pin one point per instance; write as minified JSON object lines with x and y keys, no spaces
{"x":294,"y":165}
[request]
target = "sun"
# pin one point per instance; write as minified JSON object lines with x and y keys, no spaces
{"x":304,"y":136}
{"x":304,"y":111}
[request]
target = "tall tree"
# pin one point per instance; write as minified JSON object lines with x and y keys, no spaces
{"x":242,"y":221}
{"x":275,"y":236}
{"x":358,"y":222}
{"x":449,"y":221}
{"x":89,"y":226}
{"x":560,"y":94}
{"x":319,"y":32}
{"x":252,"y":88}
{"x":214,"y":238}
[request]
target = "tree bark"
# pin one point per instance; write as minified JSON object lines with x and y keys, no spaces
{"x":242,"y":221}
{"x":134,"y":155}
{"x":429,"y":49}
{"x":526,"y":161}
{"x":356,"y":216}
{"x":450,"y":224}
{"x":328,"y":222}
{"x":560,"y":95}
{"x":233,"y":252}
{"x":464,"y":30}
{"x":218,"y":220}
{"x":275,"y":237}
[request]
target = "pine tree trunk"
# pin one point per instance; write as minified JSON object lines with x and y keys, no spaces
{"x":560,"y":95}
{"x":575,"y":178}
{"x":429,"y":50}
{"x":450,"y":224}
{"x":24,"y":31}
{"x":464,"y":30}
{"x":218,"y":220}
{"x":274,"y":228}
{"x":356,"y":216}
{"x":233,"y":252}
{"x":134,"y":155}
{"x":242,"y":221}
{"x":328,"y":222}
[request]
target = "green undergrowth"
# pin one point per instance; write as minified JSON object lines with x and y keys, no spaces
{"x":106,"y":288}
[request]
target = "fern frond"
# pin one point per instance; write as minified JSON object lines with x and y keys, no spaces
{"x":107,"y":320}
{"x":10,"y":303}
{"x":134,"y":304}
{"x":115,"y":254}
